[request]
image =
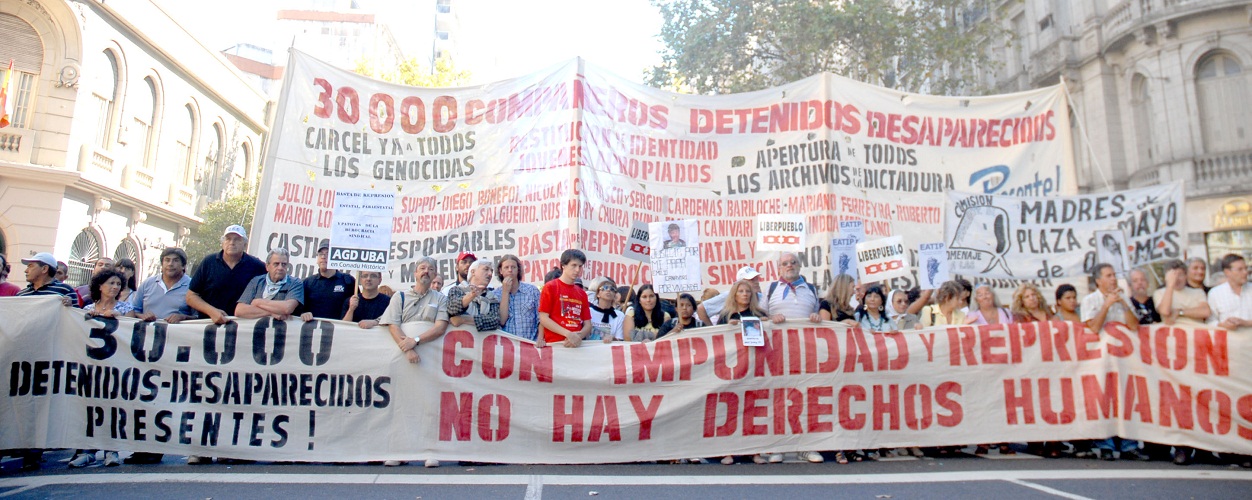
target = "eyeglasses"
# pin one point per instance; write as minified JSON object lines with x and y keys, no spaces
{"x":608,"y":287}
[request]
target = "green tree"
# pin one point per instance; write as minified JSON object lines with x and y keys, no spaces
{"x":238,"y":208}
{"x":723,"y":46}
{"x":411,"y":72}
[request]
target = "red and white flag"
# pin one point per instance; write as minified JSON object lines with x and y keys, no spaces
{"x":4,"y":96}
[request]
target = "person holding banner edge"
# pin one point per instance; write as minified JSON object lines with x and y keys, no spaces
{"x":326,"y":291}
{"x":1103,"y":306}
{"x":423,"y":304}
{"x":366,"y":307}
{"x":707,"y":310}
{"x":221,"y":278}
{"x":791,"y":296}
{"x":274,"y":294}
{"x":472,"y":303}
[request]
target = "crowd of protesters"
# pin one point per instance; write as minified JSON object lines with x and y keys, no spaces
{"x":232,"y":283}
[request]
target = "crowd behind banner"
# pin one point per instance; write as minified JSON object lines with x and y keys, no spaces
{"x":493,"y":294}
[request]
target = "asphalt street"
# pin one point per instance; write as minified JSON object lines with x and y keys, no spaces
{"x":1019,"y":477}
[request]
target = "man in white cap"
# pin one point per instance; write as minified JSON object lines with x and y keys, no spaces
{"x":715,"y":304}
{"x":40,"y":270}
{"x":222,"y":277}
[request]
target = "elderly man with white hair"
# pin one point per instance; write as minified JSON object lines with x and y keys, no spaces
{"x":472,"y":301}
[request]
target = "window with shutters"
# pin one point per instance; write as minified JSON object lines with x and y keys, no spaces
{"x":1222,"y":92}
{"x":23,"y":46}
{"x":1141,"y":106}
{"x":144,"y":118}
{"x":104,"y":95}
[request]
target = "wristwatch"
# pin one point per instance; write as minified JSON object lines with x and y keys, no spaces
{"x":416,"y":341}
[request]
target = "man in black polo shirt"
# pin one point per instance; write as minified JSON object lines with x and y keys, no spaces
{"x":326,"y":291}
{"x":366,"y":308}
{"x":221,"y":278}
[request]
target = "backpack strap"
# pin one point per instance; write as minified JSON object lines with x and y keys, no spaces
{"x":772,"y":286}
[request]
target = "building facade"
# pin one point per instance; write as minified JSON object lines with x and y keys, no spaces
{"x":1159,"y":92}
{"x":124,"y":128}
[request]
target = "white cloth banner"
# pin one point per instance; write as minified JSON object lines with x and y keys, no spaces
{"x":331,"y":392}
{"x":1044,"y":238}
{"x":569,"y":156}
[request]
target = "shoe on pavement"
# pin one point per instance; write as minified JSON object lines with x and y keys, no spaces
{"x":696,"y":461}
{"x":144,"y":458}
{"x":775,"y":458}
{"x":431,"y":463}
{"x":1134,"y":455}
{"x":728,"y":460}
{"x":82,"y":460}
{"x":759,"y":459}
{"x":1107,"y":455}
{"x":393,"y":463}
{"x":812,"y":457}
{"x":111,"y":459}
{"x":198,"y":460}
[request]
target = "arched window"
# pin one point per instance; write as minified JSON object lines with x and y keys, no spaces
{"x":127,"y":249}
{"x":105,"y":94}
{"x":184,"y":137}
{"x":243,"y":160}
{"x":1222,"y":92}
{"x":84,"y":252}
{"x":23,"y":46}
{"x":213,"y":162}
{"x":1141,"y":107}
{"x":143,"y":126}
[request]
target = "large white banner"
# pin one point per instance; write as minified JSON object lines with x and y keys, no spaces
{"x":570,"y":156}
{"x":1043,"y":238}
{"x":331,"y":392}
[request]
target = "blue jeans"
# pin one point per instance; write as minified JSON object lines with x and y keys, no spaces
{"x":1112,"y":443}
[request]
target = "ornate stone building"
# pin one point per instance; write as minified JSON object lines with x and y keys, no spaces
{"x":124,"y":127}
{"x":1161,"y":89}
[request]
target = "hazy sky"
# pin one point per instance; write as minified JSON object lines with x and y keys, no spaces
{"x":499,"y":38}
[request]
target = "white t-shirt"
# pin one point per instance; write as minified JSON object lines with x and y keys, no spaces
{"x":1227,"y":304}
{"x":1091,"y":305}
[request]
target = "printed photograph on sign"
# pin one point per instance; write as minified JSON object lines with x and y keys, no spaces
{"x":675,"y":255}
{"x":753,"y":336}
{"x":843,"y":256}
{"x":780,"y":233}
{"x":1111,"y":249}
{"x":932,"y":265}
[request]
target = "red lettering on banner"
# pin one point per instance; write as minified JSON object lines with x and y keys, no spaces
{"x":771,"y":356}
{"x":857,"y":352}
{"x":451,"y":341}
{"x":1120,"y":344}
{"x":742,"y":361}
{"x":1211,"y":348}
{"x":1180,"y":348}
{"x":505,"y":369}
{"x":885,"y":360}
{"x":691,"y":352}
{"x":711,"y":404}
{"x":646,"y":414}
{"x":928,"y":341}
{"x":1245,"y":412}
{"x":989,"y":341}
{"x":604,"y":419}
{"x":1176,"y":404}
{"x":788,"y":405}
{"x":830,"y":347}
{"x":456,"y":411}
{"x":1013,"y":401}
{"x":1101,"y":401}
{"x":1053,"y":337}
{"x":817,"y":409}
{"x":1083,"y":339}
{"x":887,"y":406}
{"x":657,"y":367}
{"x":962,"y":340}
{"x":1050,"y":415}
{"x":1204,"y":411}
{"x":619,"y":364}
{"x":794,"y":357}
{"x":535,"y":362}
{"x":943,"y":397}
{"x":918,"y":409}
{"x":753,"y":411}
{"x":503,"y":413}
{"x":562,"y":419}
{"x":847,"y":420}
{"x":1137,"y":399}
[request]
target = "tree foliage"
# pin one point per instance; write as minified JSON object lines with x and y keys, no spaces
{"x":723,"y":46}
{"x":411,"y":72}
{"x":238,"y":208}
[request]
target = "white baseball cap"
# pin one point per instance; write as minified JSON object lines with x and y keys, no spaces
{"x":747,"y":273}
{"x":236,"y":229}
{"x":44,"y":258}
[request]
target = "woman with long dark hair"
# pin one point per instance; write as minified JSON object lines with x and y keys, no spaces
{"x":645,"y":317}
{"x":105,"y":288}
{"x":127,"y":269}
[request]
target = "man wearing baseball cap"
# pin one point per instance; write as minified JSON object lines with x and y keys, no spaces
{"x":716,"y":303}
{"x":463,"y":262}
{"x":40,"y":269}
{"x":221,"y":277}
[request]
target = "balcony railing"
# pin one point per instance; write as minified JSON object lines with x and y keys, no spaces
{"x":1223,"y":171}
{"x":137,"y":178}
{"x":16,"y":144}
{"x":181,"y":196}
{"x":1125,"y":17}
{"x":94,"y":160}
